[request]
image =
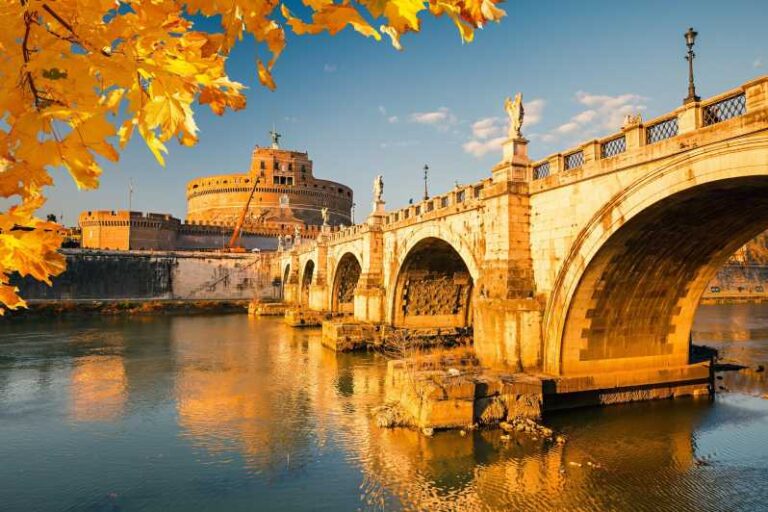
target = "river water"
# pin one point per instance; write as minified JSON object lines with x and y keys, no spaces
{"x":231,"y":413}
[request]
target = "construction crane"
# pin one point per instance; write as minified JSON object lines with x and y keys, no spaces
{"x":232,"y":246}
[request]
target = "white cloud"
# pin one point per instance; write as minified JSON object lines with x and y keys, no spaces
{"x":393,"y":119}
{"x":441,"y":118}
{"x":603,"y":115}
{"x":480,"y":148}
{"x":533,"y":111}
{"x":487,"y":127}
{"x":567,"y":128}
{"x":758,"y":63}
{"x":382,"y":110}
{"x":330,"y":68}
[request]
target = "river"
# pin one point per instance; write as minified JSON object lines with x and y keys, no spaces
{"x":230,"y":413}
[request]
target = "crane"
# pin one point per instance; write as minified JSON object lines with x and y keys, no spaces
{"x":232,"y":245}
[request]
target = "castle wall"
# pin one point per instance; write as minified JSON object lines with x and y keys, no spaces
{"x":111,"y":275}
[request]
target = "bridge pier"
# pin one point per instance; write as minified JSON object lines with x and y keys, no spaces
{"x":318,"y":297}
{"x":507,"y":333}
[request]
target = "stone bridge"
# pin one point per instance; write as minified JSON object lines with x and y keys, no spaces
{"x":587,"y":265}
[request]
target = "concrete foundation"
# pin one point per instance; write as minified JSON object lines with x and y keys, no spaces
{"x":302,"y":317}
{"x":451,"y":390}
{"x":258,"y":308}
{"x":345,"y":336}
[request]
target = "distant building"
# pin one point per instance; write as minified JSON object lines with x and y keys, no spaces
{"x":287,"y":196}
{"x":283,"y":175}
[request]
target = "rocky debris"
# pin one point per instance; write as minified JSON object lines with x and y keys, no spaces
{"x":391,"y":415}
{"x":530,"y":427}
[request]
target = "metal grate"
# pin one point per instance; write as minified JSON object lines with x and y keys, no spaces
{"x":726,"y":109}
{"x":541,"y":171}
{"x":613,"y":147}
{"x":574,"y":160}
{"x":661,"y":131}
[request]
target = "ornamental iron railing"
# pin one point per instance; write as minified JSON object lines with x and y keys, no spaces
{"x":574,"y":160}
{"x":725,"y":109}
{"x":613,"y":147}
{"x":661,"y":131}
{"x":541,"y":171}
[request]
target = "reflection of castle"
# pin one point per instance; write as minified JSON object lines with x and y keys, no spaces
{"x":287,"y":197}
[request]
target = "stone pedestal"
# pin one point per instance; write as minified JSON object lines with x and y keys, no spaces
{"x":514,"y":165}
{"x":515,"y":150}
{"x":507,"y":333}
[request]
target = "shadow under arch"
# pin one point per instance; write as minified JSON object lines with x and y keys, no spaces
{"x":286,"y":276}
{"x":306,"y":282}
{"x":433,"y":287}
{"x":627,"y":293}
{"x":345,"y":278}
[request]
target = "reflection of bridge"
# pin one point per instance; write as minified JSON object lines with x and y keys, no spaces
{"x":588,"y":263}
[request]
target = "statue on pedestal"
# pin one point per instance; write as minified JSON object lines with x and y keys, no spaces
{"x":296,"y":236}
{"x":324,"y":213}
{"x":516,"y":113}
{"x":280,"y":243}
{"x":378,"y":188}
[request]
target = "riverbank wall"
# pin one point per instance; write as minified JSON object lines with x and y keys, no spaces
{"x":157,"y":276}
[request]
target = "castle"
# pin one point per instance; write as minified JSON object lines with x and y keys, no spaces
{"x":287,"y":199}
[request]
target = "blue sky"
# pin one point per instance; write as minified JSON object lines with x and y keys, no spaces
{"x":362,"y":108}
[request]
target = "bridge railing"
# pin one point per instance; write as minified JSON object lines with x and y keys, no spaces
{"x":435,"y":205}
{"x":637,"y":134}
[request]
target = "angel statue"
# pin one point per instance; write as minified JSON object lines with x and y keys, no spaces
{"x":378,"y":188}
{"x":324,"y":213}
{"x":516,"y":113}
{"x":280,"y":243}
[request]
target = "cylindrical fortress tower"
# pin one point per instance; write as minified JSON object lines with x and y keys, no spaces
{"x":284,"y":176}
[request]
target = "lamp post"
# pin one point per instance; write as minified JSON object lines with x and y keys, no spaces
{"x":426,"y":193}
{"x":690,"y":40}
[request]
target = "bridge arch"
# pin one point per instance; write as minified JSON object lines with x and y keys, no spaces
{"x":433,"y":285}
{"x":627,"y":292}
{"x":345,"y":278}
{"x":305,"y":282}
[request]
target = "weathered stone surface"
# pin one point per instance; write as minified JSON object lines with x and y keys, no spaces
{"x":344,"y":336}
{"x":302,"y":317}
{"x":593,"y":268}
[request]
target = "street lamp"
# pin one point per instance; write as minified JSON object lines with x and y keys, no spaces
{"x":426,"y":193}
{"x":690,"y":40}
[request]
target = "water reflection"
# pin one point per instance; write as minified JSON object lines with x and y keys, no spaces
{"x":231,"y":413}
{"x":278,"y":398}
{"x":98,"y":388}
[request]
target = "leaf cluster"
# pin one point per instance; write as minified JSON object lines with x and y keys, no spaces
{"x":80,"y":78}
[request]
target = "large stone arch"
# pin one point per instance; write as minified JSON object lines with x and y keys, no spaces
{"x":432,"y":287}
{"x":307,"y":275}
{"x":345,"y":277}
{"x":627,"y":292}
